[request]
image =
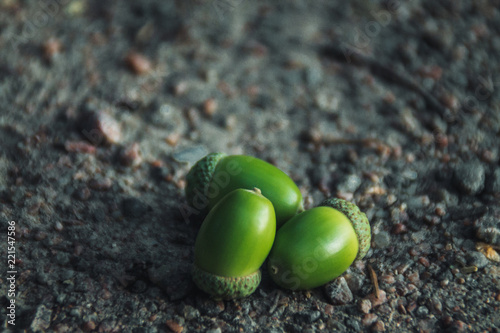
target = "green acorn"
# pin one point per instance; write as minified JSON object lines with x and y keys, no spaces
{"x":233,"y":242}
{"x":318,"y":245}
{"x":217,"y":174}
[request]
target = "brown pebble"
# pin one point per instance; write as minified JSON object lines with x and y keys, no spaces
{"x":379,"y":326}
{"x":329,"y":309}
{"x":459,"y":326}
{"x":180,"y":88}
{"x":365,"y":305}
{"x":79,"y":147}
{"x":106,"y":294}
{"x":440,"y":210}
{"x":414,"y":277}
{"x":402,"y":309}
{"x":209,"y":107}
{"x":377,"y":301}
{"x":424,"y":262}
{"x":138,"y":63}
{"x":99,"y":127}
{"x":174,"y":326}
{"x":51,"y":48}
{"x":101,"y":184}
{"x":388,"y":279}
{"x":460,"y":280}
{"x":131,"y":156}
{"x":369,"y":319}
{"x":447,"y":321}
{"x":399,"y":228}
{"x":172,"y":139}
{"x":89,"y":326}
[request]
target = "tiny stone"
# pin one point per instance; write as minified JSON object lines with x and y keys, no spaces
{"x":338,"y":292}
{"x":369,"y":319}
{"x":174,"y":326}
{"x":138,"y":63}
{"x":379,"y":326}
{"x":190,"y":312}
{"x":477,"y":259}
{"x":58,"y":226}
{"x":100,"y":184}
{"x":99,"y":127}
{"x":365,"y":305}
{"x":469,"y":177}
{"x":89,"y":326}
{"x":209,"y":107}
{"x":190,"y":155}
{"x":310,"y":316}
{"x":376,"y":301}
{"x":422,"y":311}
{"x":399,"y":228}
{"x":389,"y":279}
{"x":130,"y":156}
{"x":382,"y":239}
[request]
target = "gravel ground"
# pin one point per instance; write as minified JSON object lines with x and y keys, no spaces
{"x":393,"y":105}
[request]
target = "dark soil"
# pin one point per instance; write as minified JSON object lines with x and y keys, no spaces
{"x":105,"y":105}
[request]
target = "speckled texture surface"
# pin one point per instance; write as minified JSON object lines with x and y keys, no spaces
{"x":392,"y":105}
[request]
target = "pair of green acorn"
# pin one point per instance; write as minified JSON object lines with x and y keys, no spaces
{"x":256,"y":212}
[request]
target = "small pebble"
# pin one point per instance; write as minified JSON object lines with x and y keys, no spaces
{"x":379,"y":326}
{"x":209,"y":107}
{"x":469,"y":177}
{"x":100,"y":184}
{"x":99,"y":127}
{"x":382,"y":239}
{"x":365,"y":305}
{"x":399,"y":228}
{"x":477,"y":259}
{"x":51,"y":48}
{"x":138,"y":63}
{"x":338,"y":292}
{"x":131,"y":156}
{"x":369,"y":319}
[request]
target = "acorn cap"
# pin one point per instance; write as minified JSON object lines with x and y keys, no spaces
{"x":358,"y":219}
{"x":200,"y":175}
{"x":226,"y":287}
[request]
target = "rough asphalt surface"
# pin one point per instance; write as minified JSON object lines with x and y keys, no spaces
{"x":105,"y":105}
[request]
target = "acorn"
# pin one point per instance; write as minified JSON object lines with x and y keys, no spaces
{"x":232,"y":243}
{"x":217,"y":174}
{"x":318,"y":245}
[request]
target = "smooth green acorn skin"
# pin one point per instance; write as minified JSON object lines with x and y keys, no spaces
{"x":237,"y":235}
{"x":313,"y":248}
{"x":240,"y":171}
